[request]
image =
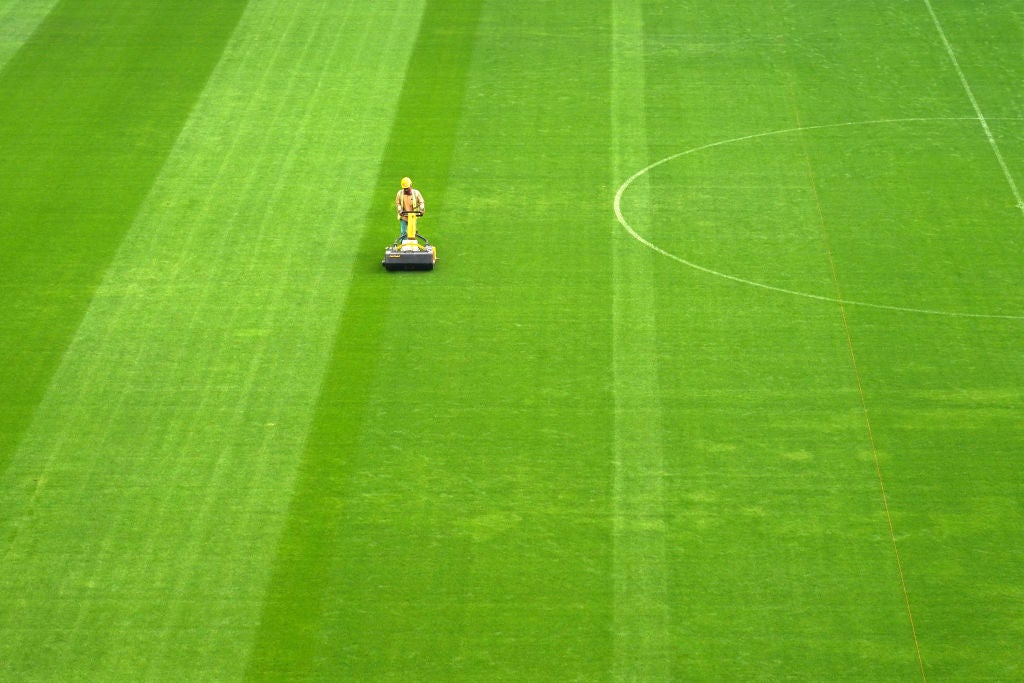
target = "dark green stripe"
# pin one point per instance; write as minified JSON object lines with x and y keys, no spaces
{"x":420,"y":146}
{"x":89,"y":110}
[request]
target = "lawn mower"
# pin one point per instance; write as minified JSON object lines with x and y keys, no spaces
{"x":414,"y":252}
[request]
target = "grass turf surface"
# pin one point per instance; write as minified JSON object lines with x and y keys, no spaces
{"x":233,"y":446}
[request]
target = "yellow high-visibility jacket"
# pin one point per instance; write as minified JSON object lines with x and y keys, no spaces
{"x":409,"y":202}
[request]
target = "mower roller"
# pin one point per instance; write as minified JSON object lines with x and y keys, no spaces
{"x":412,"y":253}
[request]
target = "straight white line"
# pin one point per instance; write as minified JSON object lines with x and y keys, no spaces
{"x":977,"y":109}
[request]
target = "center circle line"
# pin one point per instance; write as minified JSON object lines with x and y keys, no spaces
{"x":617,"y":204}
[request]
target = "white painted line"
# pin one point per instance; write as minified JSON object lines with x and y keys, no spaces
{"x":781,"y":290}
{"x":977,"y":108}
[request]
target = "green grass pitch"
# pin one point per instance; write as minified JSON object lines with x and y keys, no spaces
{"x":718,"y":377}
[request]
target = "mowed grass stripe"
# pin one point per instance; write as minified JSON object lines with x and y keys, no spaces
{"x":151,"y":488}
{"x":927,"y":215}
{"x":303,"y":597}
{"x":459,"y":508}
{"x":640,"y":571}
{"x":478,"y":528}
{"x":777,"y":541}
{"x":19,"y":19}
{"x":905,"y":353}
{"x":946,"y":395}
{"x":91,"y":106}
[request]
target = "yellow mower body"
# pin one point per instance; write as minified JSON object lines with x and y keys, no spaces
{"x":414,"y":252}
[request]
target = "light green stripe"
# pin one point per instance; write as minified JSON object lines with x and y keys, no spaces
{"x":145,"y":503}
{"x":18,"y":21}
{"x":641,"y":642}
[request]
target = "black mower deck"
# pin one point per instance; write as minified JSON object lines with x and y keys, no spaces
{"x":411,"y":260}
{"x":410,"y":255}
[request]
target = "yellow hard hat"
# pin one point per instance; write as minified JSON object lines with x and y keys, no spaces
{"x":406,"y":182}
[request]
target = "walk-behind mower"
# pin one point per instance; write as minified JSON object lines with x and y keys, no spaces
{"x":414,"y":252}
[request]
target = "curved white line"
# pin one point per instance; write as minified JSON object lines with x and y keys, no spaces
{"x":781,"y":290}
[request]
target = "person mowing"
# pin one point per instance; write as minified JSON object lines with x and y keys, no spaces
{"x":408,"y":200}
